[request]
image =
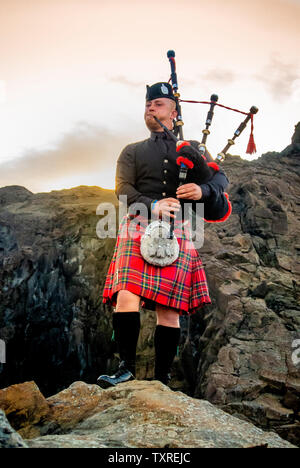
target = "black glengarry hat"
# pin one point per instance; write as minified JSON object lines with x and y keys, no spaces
{"x":159,"y":90}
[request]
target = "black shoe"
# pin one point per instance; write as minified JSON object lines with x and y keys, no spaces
{"x":122,"y":375}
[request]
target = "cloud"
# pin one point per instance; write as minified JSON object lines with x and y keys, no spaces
{"x":84,"y":150}
{"x":281,"y":79}
{"x":219,"y":75}
{"x":120,"y":79}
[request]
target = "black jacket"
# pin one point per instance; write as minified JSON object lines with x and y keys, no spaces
{"x":147,"y":171}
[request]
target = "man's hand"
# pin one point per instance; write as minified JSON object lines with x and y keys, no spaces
{"x":189,"y":191}
{"x":165,"y":206}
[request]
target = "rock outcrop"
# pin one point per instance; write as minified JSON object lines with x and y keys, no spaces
{"x":240,"y":352}
{"x":9,"y":438}
{"x":243,"y":345}
{"x":136,"y":414}
{"x":52,"y":271}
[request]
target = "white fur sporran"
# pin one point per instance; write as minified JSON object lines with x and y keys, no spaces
{"x":156,"y":247}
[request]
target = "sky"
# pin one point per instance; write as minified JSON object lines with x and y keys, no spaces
{"x":73,"y":76}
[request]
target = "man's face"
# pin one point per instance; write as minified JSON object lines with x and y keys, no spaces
{"x":164,"y":109}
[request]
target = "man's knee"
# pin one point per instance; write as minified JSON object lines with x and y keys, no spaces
{"x":127,"y":301}
{"x":167,"y":316}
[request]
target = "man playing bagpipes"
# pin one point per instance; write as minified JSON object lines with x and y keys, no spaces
{"x":158,"y":267}
{"x":148,"y":172}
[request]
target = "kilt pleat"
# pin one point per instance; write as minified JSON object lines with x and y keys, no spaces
{"x":181,"y":285}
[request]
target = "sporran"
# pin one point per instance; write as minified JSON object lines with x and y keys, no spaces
{"x":157,"y":248}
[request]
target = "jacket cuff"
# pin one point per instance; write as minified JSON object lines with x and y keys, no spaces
{"x":206,"y":192}
{"x":221,"y":214}
{"x":133,"y":207}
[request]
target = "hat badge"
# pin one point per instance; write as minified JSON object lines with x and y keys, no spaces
{"x":164,"y":89}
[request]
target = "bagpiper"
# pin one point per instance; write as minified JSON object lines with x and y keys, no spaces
{"x":158,"y":267}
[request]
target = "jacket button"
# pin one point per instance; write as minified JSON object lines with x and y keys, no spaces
{"x":166,"y":160}
{"x":165,"y":171}
{"x":164,"y":182}
{"x":164,"y":194}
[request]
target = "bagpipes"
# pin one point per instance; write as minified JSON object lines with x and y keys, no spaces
{"x":192,"y":157}
{"x":251,"y":148}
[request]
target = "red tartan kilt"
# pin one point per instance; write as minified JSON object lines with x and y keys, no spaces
{"x":181,"y":285}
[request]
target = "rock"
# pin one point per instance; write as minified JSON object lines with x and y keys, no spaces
{"x":263,"y":409}
{"x":143,"y":414}
{"x":290,"y":431}
{"x":25,"y":407}
{"x":9,"y":438}
{"x":72,"y":405}
{"x":33,"y":415}
{"x":14,"y":194}
{"x":296,"y":136}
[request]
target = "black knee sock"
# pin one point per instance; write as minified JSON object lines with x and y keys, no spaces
{"x":166,"y":340}
{"x":126,"y":326}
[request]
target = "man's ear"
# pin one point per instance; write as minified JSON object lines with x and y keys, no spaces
{"x":174,"y":114}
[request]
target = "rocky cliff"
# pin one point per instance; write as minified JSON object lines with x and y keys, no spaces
{"x":239,"y":354}
{"x":52,"y":272}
